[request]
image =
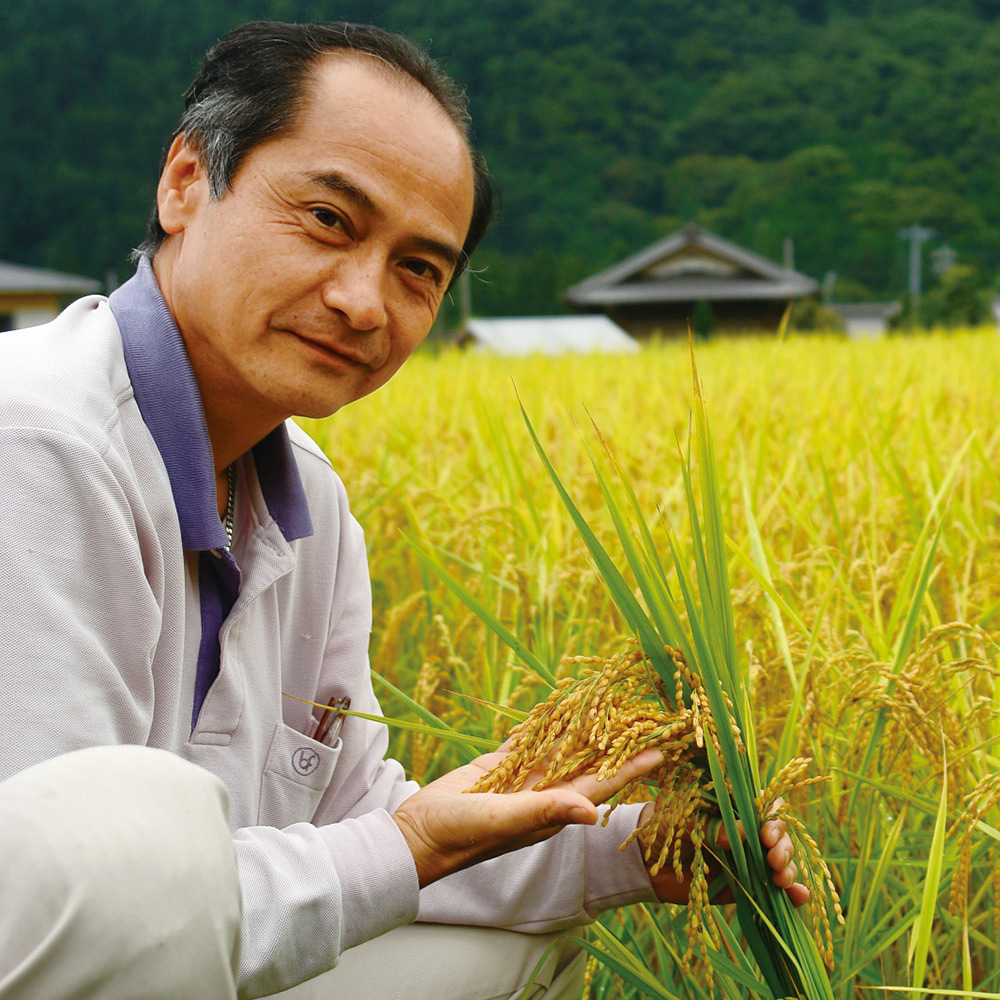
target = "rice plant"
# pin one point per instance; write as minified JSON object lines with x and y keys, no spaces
{"x":858,"y":488}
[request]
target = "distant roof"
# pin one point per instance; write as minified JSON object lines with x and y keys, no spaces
{"x":524,"y":335}
{"x":689,"y":265}
{"x":15,"y":278}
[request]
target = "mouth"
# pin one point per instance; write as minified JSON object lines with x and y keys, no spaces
{"x":331,"y":353}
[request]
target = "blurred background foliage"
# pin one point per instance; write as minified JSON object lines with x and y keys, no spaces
{"x":833,"y":122}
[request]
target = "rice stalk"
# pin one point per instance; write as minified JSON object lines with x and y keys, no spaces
{"x":683,"y":690}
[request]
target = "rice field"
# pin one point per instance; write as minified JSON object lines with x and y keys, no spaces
{"x":859,"y":490}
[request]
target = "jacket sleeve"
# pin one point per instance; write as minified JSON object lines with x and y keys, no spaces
{"x":563,"y":882}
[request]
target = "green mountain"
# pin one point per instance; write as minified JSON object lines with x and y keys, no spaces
{"x":832,"y":122}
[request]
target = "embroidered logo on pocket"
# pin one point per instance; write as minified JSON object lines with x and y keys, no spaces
{"x":305,"y":760}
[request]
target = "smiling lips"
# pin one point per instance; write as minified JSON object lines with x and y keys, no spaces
{"x":337,"y":353}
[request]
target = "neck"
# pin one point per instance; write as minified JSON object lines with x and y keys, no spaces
{"x":222,"y":491}
{"x":231,"y":431}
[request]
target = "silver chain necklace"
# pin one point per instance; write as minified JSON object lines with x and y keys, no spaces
{"x":228,"y":521}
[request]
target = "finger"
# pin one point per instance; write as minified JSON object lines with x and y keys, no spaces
{"x":642,"y":763}
{"x":781,"y":854}
{"x":530,"y":811}
{"x":784,"y":878}
{"x":798,"y":894}
{"x":772,"y":832}
{"x":599,"y":791}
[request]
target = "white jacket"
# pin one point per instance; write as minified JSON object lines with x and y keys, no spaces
{"x":99,"y":636}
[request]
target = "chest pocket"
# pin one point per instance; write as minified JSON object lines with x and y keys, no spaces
{"x":296,"y":773}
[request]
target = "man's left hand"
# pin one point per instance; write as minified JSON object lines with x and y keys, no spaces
{"x":773,"y":835}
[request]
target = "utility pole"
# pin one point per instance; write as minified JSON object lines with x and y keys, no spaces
{"x":788,"y":253}
{"x":918,"y":236}
{"x":829,"y":283}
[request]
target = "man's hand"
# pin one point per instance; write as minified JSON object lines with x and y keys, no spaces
{"x":774,"y":837}
{"x":448,"y":829}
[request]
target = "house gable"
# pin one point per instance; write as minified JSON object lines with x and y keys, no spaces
{"x":656,"y":288}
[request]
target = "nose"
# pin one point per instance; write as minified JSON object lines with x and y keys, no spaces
{"x":355,"y":290}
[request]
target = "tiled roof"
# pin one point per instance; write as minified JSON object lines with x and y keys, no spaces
{"x":689,"y":265}
{"x":17,"y":279}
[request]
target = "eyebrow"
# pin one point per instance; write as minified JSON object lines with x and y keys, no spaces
{"x":452,"y":255}
{"x":339,"y":184}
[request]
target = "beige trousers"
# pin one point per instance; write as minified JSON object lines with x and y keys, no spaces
{"x":118,"y":882}
{"x":438,"y":962}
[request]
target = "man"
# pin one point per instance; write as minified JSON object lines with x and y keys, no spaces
{"x":180,"y":557}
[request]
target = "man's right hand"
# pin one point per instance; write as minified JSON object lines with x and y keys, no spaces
{"x":448,"y":829}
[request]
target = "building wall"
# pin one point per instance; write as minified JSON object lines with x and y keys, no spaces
{"x":20,"y":311}
{"x":672,"y":320}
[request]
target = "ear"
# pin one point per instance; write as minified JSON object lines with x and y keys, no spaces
{"x":183,"y":187}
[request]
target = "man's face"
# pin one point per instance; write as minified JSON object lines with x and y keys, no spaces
{"x":315,"y":278}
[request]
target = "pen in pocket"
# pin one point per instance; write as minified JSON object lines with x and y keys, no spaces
{"x":328,"y":727}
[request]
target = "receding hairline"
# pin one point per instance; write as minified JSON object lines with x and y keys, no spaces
{"x":391,"y":73}
{"x":388,"y":71}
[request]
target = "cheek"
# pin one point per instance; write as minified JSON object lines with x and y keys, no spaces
{"x":432,"y":303}
{"x":413,"y":325}
{"x":410,"y":345}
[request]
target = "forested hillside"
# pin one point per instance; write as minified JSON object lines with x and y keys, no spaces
{"x":606,"y":125}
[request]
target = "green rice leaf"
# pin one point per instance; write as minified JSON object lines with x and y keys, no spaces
{"x":620,"y":960}
{"x":435,"y":727}
{"x":619,"y":590}
{"x":487,"y":617}
{"x":932,"y":882}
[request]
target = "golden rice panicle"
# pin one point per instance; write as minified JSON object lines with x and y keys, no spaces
{"x":815,"y":875}
{"x":398,"y":619}
{"x":589,"y":973}
{"x":435,"y":673}
{"x":787,"y":780}
{"x":531,"y":740}
{"x":679,"y":797}
{"x":526,"y":687}
{"x":814,"y":872}
{"x":977,"y":803}
{"x":698,"y":903}
{"x":933,"y":705}
{"x":596,"y":721}
{"x":682,"y":674}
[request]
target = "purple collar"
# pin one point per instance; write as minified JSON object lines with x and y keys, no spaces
{"x":170,"y":404}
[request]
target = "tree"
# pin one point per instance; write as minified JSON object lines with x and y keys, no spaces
{"x":959,"y":300}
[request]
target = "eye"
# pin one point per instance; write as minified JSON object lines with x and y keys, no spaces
{"x":423,"y":269}
{"x":328,"y":218}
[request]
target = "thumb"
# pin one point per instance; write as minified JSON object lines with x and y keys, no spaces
{"x":530,"y":811}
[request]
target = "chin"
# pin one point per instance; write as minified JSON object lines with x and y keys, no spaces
{"x":319,"y":406}
{"x":317,"y":411}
